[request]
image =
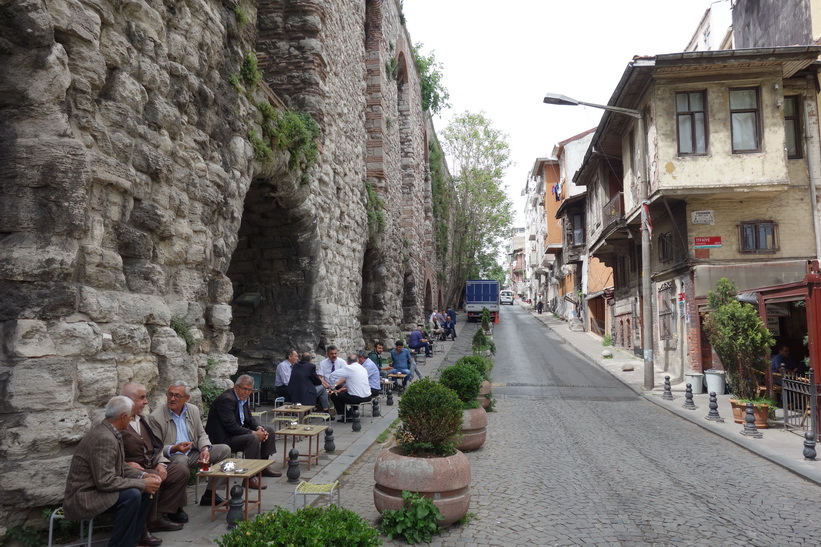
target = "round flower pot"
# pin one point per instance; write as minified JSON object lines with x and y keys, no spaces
{"x":474,"y":428}
{"x":484,"y":391}
{"x":444,"y":480}
{"x":761,"y":414}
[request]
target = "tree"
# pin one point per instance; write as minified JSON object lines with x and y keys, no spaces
{"x":434,"y":94}
{"x":481,"y":214}
{"x":739,"y":337}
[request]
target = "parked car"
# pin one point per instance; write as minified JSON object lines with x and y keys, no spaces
{"x":506,"y":297}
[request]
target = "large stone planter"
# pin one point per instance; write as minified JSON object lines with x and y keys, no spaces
{"x":474,"y":428}
{"x":484,"y":391}
{"x":444,"y":480}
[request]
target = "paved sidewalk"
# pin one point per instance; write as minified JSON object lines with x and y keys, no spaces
{"x":777,"y":445}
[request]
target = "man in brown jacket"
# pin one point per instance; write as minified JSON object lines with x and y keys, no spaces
{"x":98,"y":480}
{"x":143,"y":451}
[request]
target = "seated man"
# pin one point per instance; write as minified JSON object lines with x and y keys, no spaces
{"x":449,"y":328}
{"x":143,"y":451}
{"x":418,"y":340}
{"x":376,"y":354}
{"x":305,"y":385}
{"x":401,"y":361}
{"x":283,"y":375}
{"x":783,"y":359}
{"x":349,"y":385}
{"x":230,"y":422}
{"x":373,"y":372}
{"x":179,"y":427}
{"x":100,"y":482}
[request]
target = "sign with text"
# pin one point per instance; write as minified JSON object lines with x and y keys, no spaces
{"x":703,"y":217}
{"x":708,"y":242}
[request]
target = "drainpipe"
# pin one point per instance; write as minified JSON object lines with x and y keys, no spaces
{"x":813,"y":149}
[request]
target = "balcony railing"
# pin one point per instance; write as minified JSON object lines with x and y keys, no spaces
{"x":613,"y":210}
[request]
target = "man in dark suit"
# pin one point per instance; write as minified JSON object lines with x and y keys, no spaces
{"x":305,"y":382}
{"x":230,"y":422}
{"x":100,"y":482}
{"x":179,"y":427}
{"x":143,"y":451}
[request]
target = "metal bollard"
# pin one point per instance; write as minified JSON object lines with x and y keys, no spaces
{"x":809,"y":446}
{"x":750,"y":430}
{"x":713,"y":414}
{"x":357,"y":424}
{"x":389,"y":400}
{"x":330,"y":445}
{"x":375,"y":411}
{"x":688,"y":398}
{"x":293,"y":466}
{"x":668,"y":392}
{"x":236,"y":506}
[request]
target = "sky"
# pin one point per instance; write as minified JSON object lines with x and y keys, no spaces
{"x":501,"y":57}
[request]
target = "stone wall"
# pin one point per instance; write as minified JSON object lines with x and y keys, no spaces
{"x":129,"y":196}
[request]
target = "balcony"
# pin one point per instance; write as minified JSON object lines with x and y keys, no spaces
{"x":613,"y":210}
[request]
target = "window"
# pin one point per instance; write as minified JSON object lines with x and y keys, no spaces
{"x":758,"y":236}
{"x":691,"y":120}
{"x":578,"y":229}
{"x":666,"y":303}
{"x":665,"y":247}
{"x":622,"y":268}
{"x":792,"y":127}
{"x":745,"y":120}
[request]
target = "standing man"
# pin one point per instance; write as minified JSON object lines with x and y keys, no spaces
{"x":143,"y":451}
{"x":418,"y":340}
{"x":179,"y":427}
{"x":329,"y":365}
{"x":100,"y":482}
{"x":230,"y":422}
{"x":283,"y":375}
{"x":350,"y":385}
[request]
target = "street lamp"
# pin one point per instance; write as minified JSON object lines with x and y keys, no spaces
{"x":646,"y":295}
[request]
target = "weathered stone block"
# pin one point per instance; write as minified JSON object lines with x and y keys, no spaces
{"x":101,"y":268}
{"x":42,"y":299}
{"x":97,"y":381}
{"x":152,"y":218}
{"x":41,"y":433}
{"x":41,"y":384}
{"x":143,"y":309}
{"x":165,"y":342}
{"x":76,"y":338}
{"x":143,"y":276}
{"x":100,"y":306}
{"x":28,"y":338}
{"x":141,"y":369}
{"x":134,"y":338}
{"x":133,"y":243}
{"x":50,"y":475}
{"x":219,"y":316}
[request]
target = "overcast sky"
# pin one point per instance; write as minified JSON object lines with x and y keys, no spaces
{"x":502,"y":56}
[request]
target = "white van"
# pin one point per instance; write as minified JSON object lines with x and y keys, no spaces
{"x":506,"y":297}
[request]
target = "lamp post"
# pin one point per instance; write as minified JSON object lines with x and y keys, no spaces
{"x":646,"y":296}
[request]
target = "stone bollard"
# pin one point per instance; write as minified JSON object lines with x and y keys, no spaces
{"x":750,"y":430}
{"x":357,"y":424}
{"x":688,"y":398}
{"x":668,"y":392}
{"x":375,"y":407}
{"x":330,"y":445}
{"x":389,"y":400}
{"x":713,"y":414}
{"x":809,"y":446}
{"x":236,"y":507}
{"x":293,"y":466}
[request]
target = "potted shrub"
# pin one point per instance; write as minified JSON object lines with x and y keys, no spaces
{"x":741,"y":340}
{"x":425,"y":459}
{"x":465,"y":380}
{"x":483,"y":365}
{"x":482,"y":343}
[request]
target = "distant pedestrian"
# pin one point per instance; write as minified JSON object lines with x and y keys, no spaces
{"x":539,"y":307}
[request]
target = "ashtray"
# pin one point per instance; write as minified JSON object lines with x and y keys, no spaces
{"x":291,"y":427}
{"x":206,"y":470}
{"x":240,"y":470}
{"x":309,"y":428}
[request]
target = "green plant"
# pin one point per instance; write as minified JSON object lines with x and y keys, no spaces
{"x":482,"y":342}
{"x":485,"y":319}
{"x":392,"y":68}
{"x":466,"y":519}
{"x":262,"y":151}
{"x":465,"y":380}
{"x":482,"y":364}
{"x":375,"y":208}
{"x":739,"y":337}
{"x":233,"y":79}
{"x":241,"y":16}
{"x":416,"y":522}
{"x":607,"y":340}
{"x":492,"y":406}
{"x":434,"y":94}
{"x":250,"y":71}
{"x":309,"y":527}
{"x":431,"y":417}
{"x":182,"y":329}
{"x":294,"y":132}
{"x":27,"y":535}
{"x":387,"y":433}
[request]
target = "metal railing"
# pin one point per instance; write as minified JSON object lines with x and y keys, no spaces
{"x":799,"y":396}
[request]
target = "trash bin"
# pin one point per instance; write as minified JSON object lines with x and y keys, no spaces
{"x":715,"y":381}
{"x":697,"y":381}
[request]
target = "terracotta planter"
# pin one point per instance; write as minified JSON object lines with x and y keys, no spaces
{"x":444,"y":480}
{"x":761,"y":414}
{"x":483,"y":398}
{"x":474,"y":428}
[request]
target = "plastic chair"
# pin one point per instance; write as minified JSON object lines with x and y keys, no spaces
{"x":59,"y":514}
{"x":306,"y":489}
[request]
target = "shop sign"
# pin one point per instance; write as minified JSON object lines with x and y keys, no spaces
{"x":708,"y":242}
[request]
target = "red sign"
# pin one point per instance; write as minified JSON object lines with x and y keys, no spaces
{"x":707,"y":242}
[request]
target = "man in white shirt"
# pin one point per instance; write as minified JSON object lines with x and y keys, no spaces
{"x":350,"y":386}
{"x":329,"y":365}
{"x":283,"y":375}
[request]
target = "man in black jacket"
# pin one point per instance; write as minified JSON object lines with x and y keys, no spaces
{"x":230,"y":422}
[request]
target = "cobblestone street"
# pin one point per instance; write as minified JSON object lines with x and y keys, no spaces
{"x":577,"y":458}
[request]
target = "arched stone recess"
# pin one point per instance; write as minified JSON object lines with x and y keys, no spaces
{"x":428,"y":299}
{"x":274,"y":272}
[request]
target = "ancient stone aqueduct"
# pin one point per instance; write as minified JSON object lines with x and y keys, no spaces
{"x":130,"y":196}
